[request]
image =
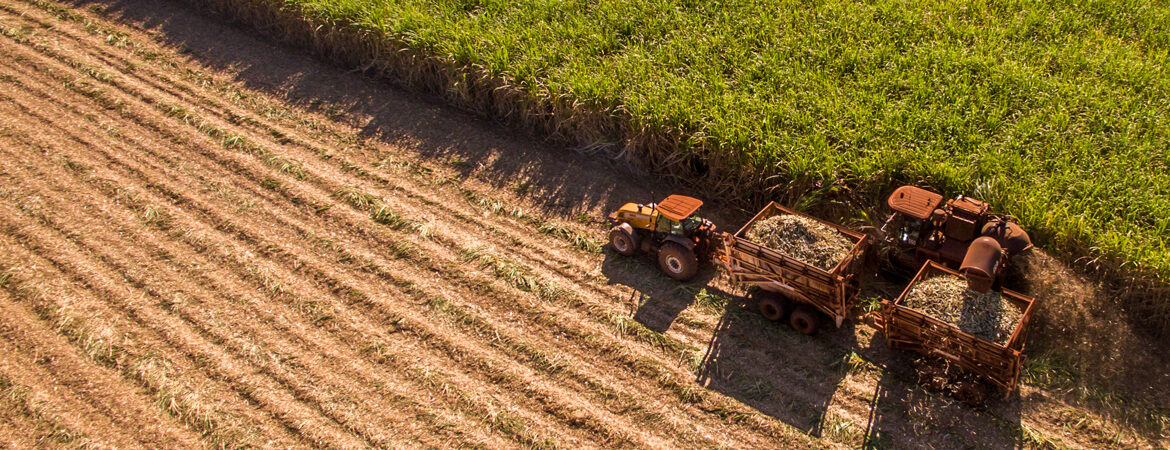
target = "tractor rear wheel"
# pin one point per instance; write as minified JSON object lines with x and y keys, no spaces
{"x":773,"y":307}
{"x":677,"y":261}
{"x":623,"y":242}
{"x":804,"y":320}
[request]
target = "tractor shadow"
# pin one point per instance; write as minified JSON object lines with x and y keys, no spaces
{"x":656,"y":300}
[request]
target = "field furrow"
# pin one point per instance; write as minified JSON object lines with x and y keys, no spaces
{"x":211,"y":279}
{"x":27,"y":422}
{"x":256,"y":385}
{"x":156,"y":359}
{"x":117,"y":413}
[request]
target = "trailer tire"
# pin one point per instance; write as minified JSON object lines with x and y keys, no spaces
{"x":677,"y":261}
{"x":804,"y":320}
{"x":622,"y":241}
{"x":773,"y":308}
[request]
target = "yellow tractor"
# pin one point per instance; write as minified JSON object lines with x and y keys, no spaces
{"x":669,"y":230}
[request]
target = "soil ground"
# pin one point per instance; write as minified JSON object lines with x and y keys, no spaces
{"x":211,"y":239}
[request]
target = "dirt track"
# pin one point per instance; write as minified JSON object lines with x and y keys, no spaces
{"x":256,"y":249}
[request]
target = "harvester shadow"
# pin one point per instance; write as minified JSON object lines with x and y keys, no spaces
{"x":904,"y":403}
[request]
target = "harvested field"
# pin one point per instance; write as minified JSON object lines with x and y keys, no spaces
{"x":988,"y":316}
{"x":207,"y":239}
{"x":802,"y":238}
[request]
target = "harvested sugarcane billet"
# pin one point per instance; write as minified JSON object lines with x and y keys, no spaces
{"x":988,"y":316}
{"x":802,"y":238}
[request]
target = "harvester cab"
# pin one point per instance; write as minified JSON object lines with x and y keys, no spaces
{"x":960,"y":233}
{"x":668,"y":229}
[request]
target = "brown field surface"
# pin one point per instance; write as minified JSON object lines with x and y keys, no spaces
{"x":207,"y":239}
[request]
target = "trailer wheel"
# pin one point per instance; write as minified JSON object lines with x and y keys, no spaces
{"x":804,"y":320}
{"x":678,"y":262}
{"x":622,"y":242}
{"x":773,"y":308}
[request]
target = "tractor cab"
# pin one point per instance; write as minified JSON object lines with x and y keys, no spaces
{"x":960,"y":233}
{"x":669,"y":229}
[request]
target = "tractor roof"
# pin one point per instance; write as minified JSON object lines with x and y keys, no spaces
{"x":679,"y":207}
{"x":914,"y":201}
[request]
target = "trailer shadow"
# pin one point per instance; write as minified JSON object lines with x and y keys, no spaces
{"x":760,"y":363}
{"x":776,"y":370}
{"x":905,"y":403}
{"x":795,"y":378}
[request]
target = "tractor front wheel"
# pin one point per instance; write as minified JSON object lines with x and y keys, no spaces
{"x":677,"y":261}
{"x":623,"y":242}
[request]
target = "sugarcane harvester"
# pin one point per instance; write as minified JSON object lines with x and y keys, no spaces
{"x":960,"y":234}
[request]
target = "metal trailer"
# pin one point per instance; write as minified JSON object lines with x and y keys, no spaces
{"x":911,"y":329}
{"x":830,"y":292}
